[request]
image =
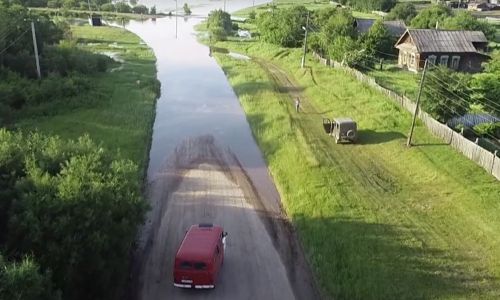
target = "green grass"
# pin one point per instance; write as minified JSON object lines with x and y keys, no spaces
{"x":392,"y":77}
{"x":309,"y":4}
{"x":377,"y":220}
{"x":83,"y":13}
{"x":123,"y":116}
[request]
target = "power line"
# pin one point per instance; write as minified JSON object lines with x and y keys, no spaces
{"x":15,"y":41}
{"x":489,"y":100}
{"x":494,"y":106}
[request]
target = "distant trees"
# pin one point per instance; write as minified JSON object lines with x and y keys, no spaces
{"x":73,"y":207}
{"x":123,"y":7}
{"x":140,"y":9}
{"x":464,"y":20}
{"x":430,"y":16}
{"x":369,"y":5}
{"x":485,"y":85}
{"x":219,"y":25}
{"x":405,"y":11}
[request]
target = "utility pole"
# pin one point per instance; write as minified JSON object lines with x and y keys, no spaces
{"x":305,"y":42}
{"x":408,"y":143}
{"x":35,"y":48}
{"x":175,"y":19}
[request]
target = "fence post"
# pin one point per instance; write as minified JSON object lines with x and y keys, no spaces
{"x":493,"y":162}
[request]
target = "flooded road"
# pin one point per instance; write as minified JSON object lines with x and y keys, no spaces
{"x":206,"y":167}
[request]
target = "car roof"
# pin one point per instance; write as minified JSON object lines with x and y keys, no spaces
{"x":199,"y":242}
{"x":343,"y":120}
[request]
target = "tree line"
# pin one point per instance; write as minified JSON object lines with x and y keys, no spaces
{"x":130,"y":6}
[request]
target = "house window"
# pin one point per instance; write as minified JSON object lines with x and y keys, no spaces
{"x":444,"y":60}
{"x":432,"y":59}
{"x":412,"y":60}
{"x":404,"y":58}
{"x":455,"y":61}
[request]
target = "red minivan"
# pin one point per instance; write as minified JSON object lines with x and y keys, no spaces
{"x":200,"y":256}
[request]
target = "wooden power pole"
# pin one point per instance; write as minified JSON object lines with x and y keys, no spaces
{"x":35,"y":48}
{"x":408,"y":143}
{"x":305,"y":43}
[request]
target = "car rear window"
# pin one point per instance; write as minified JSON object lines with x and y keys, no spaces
{"x":200,"y":265}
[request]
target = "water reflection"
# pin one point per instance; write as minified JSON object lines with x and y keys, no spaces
{"x":196,"y":98}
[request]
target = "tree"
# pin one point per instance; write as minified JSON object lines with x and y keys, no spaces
{"x":430,"y":16}
{"x":140,"y":9}
{"x":464,"y":20}
{"x":446,"y":94}
{"x":187,"y":10}
{"x":152,"y":10}
{"x":122,"y":7}
{"x":369,"y":5}
{"x":133,"y":2}
{"x":108,"y":7}
{"x":219,"y":25}
{"x":24,"y":280}
{"x":378,"y":40}
{"x":405,"y":11}
{"x":485,"y":85}
{"x":283,"y":26}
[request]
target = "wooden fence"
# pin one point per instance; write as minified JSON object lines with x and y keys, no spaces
{"x":489,"y":161}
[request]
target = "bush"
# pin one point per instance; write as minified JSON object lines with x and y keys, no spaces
{"x":75,"y":208}
{"x":108,"y":7}
{"x":219,"y":25}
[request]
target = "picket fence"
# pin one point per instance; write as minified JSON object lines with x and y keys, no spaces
{"x":489,"y":161}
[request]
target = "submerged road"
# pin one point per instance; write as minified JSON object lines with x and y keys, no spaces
{"x":205,"y":167}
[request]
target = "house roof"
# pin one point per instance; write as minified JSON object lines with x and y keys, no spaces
{"x":471,"y":120}
{"x":432,"y":40}
{"x":395,"y":28}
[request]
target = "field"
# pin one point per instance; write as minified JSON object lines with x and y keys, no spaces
{"x":123,"y":116}
{"x":310,"y":4}
{"x":377,"y":220}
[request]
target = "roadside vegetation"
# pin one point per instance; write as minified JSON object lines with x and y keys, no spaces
{"x":377,"y":220}
{"x":73,"y":151}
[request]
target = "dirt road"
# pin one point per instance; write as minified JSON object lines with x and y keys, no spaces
{"x":204,"y":183}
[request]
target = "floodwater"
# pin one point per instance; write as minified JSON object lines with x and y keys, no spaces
{"x":196,"y":98}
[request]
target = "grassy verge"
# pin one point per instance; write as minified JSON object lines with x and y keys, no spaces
{"x":392,"y":77}
{"x":123,"y":115}
{"x":377,"y":220}
{"x":310,"y":4}
{"x":83,"y":13}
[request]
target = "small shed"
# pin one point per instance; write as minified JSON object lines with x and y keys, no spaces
{"x":95,"y":20}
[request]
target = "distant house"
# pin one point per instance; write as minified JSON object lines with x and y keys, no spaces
{"x":459,"y":50}
{"x":395,"y":28}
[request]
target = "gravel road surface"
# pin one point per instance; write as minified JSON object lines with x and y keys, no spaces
{"x":203,"y":183}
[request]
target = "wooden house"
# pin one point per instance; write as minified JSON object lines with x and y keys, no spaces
{"x":459,"y":50}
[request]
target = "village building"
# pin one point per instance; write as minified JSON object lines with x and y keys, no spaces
{"x":395,"y":28}
{"x":459,"y":50}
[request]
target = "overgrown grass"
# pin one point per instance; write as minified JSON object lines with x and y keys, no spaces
{"x":392,"y":77}
{"x":123,"y":115}
{"x":309,"y":4}
{"x":377,"y":220}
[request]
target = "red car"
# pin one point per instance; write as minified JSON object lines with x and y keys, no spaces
{"x":200,"y":256}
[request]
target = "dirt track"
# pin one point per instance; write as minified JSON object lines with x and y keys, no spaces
{"x":204,"y":183}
